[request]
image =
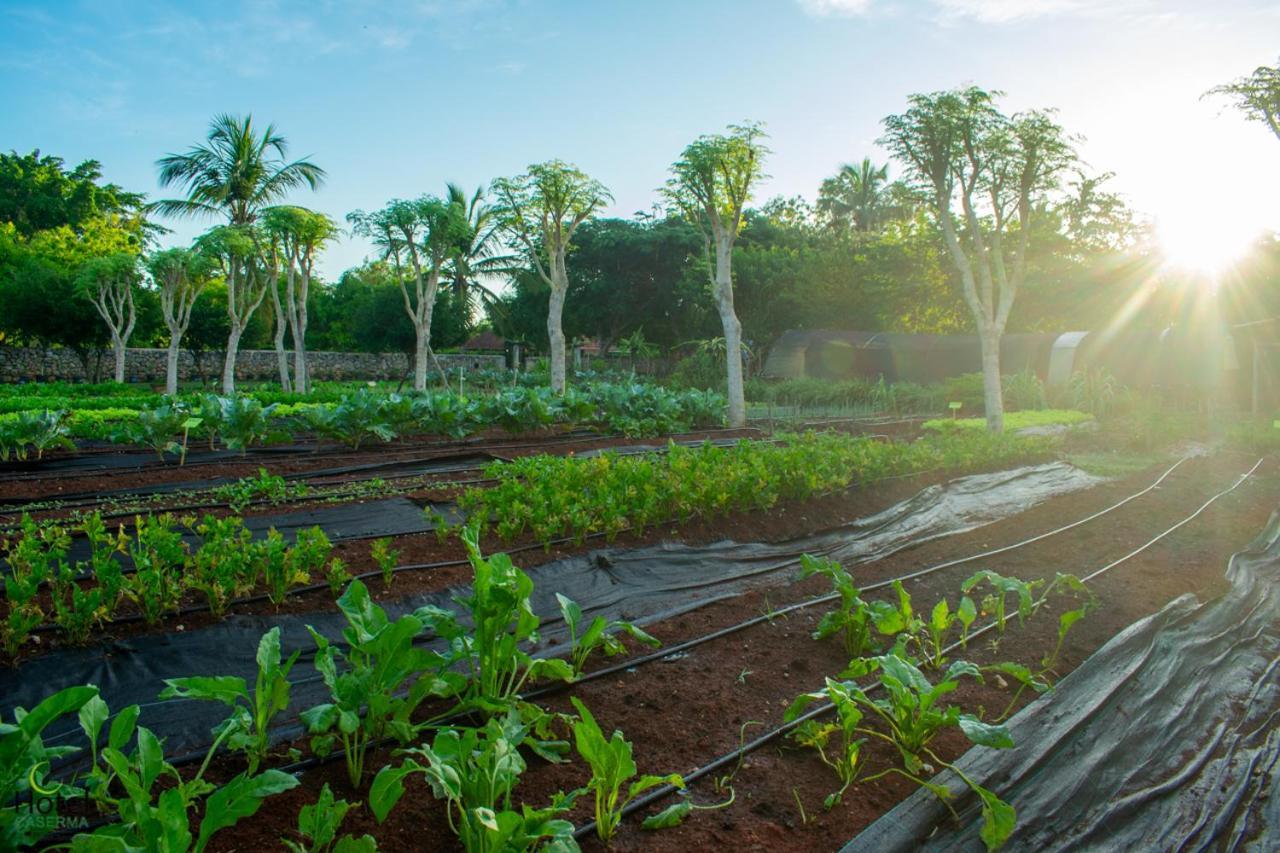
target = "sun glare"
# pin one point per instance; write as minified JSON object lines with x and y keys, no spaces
{"x":1207,"y":244}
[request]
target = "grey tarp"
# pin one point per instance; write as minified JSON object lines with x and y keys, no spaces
{"x":641,"y":585}
{"x":1166,"y":738}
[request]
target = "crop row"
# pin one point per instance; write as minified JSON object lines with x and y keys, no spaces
{"x":550,"y":496}
{"x":383,"y":687}
{"x":243,"y":421}
{"x":570,"y":496}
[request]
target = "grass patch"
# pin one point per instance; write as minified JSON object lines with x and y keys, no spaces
{"x":1015,"y":420}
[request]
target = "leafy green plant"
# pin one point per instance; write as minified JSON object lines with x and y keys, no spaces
{"x":156,"y":428}
{"x":355,"y":419}
{"x":383,"y":678}
{"x":77,"y":606}
{"x":243,"y":422}
{"x":897,"y":619}
{"x":474,"y":770}
{"x":1069,"y":585}
{"x":1002,"y":587}
{"x":318,"y":825}
{"x":851,"y":620}
{"x":612,"y":766}
{"x":839,"y":742}
{"x":599,"y":635}
{"x":224,"y":566}
{"x":910,"y":715}
{"x":247,"y":730}
{"x":271,"y":554}
{"x":156,"y":817}
{"x":269,"y":487}
{"x":159,"y":557}
{"x":492,"y":653}
{"x":336,"y":575}
{"x":24,"y":757}
{"x":34,"y":557}
{"x":384,"y":557}
{"x":39,"y":430}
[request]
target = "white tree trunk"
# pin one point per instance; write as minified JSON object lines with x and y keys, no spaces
{"x":117,"y":346}
{"x":992,"y":393}
{"x":282,"y":359}
{"x":171,"y":363}
{"x":421,"y":338}
{"x":732,"y":333}
{"x":229,"y":364}
{"x":555,"y":333}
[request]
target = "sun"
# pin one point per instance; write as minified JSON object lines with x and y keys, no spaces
{"x":1205,"y":242}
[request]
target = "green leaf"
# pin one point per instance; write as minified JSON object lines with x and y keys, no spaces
{"x":998,"y":818}
{"x":672,"y":815}
{"x":238,"y":799}
{"x":387,"y":789}
{"x":985,"y":734}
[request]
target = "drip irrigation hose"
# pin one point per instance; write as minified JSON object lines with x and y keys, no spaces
{"x":664,"y":791}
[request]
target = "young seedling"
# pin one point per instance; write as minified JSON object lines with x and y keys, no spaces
{"x":318,"y":825}
{"x":851,"y":621}
{"x":385,"y":558}
{"x":599,"y":635}
{"x":247,"y":730}
{"x":1002,"y":587}
{"x":611,"y":768}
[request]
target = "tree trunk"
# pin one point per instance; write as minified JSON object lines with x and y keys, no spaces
{"x":420,"y":340}
{"x":282,"y":359}
{"x":732,"y":334}
{"x":229,"y":364}
{"x":992,"y":393}
{"x":117,"y":346}
{"x":555,"y":332}
{"x":171,"y":364}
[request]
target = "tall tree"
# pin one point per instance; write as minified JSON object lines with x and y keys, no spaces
{"x":541,"y":209}
{"x":180,"y":275}
{"x":418,"y":237}
{"x":478,"y":253}
{"x":1257,"y":95}
{"x":986,"y":173}
{"x":38,"y":193}
{"x":109,"y":283}
{"x":237,"y":173}
{"x":301,"y":235}
{"x":238,"y":252}
{"x":711,"y":184}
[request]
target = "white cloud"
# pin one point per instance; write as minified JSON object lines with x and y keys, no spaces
{"x":835,"y":8}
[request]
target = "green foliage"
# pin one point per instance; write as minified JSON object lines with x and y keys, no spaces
{"x":318,"y":825}
{"x":159,"y":557}
{"x":1014,"y":420}
{"x":851,"y":620}
{"x":909,"y":715}
{"x":38,"y":431}
{"x":150,"y":801}
{"x":355,"y":419}
{"x":223,"y":568}
{"x":554,"y":496}
{"x":491,"y":654}
{"x":24,"y":758}
{"x":383,"y":677}
{"x":611,"y":767}
{"x":247,"y":730}
{"x":384,"y":557}
{"x":1095,"y":391}
{"x":474,"y":770}
{"x":269,"y":487}
{"x":598,"y":635}
{"x":1002,"y":587}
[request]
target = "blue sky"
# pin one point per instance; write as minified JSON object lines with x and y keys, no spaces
{"x":396,"y":98}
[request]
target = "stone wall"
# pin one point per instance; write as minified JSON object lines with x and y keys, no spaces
{"x":19,"y":364}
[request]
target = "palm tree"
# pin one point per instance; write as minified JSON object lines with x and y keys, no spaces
{"x":236,"y":172}
{"x":477,"y":253}
{"x":855,"y":196}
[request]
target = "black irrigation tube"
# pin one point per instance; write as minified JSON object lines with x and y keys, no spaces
{"x":661,"y":793}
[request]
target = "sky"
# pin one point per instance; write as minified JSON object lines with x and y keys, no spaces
{"x":394,"y":99}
